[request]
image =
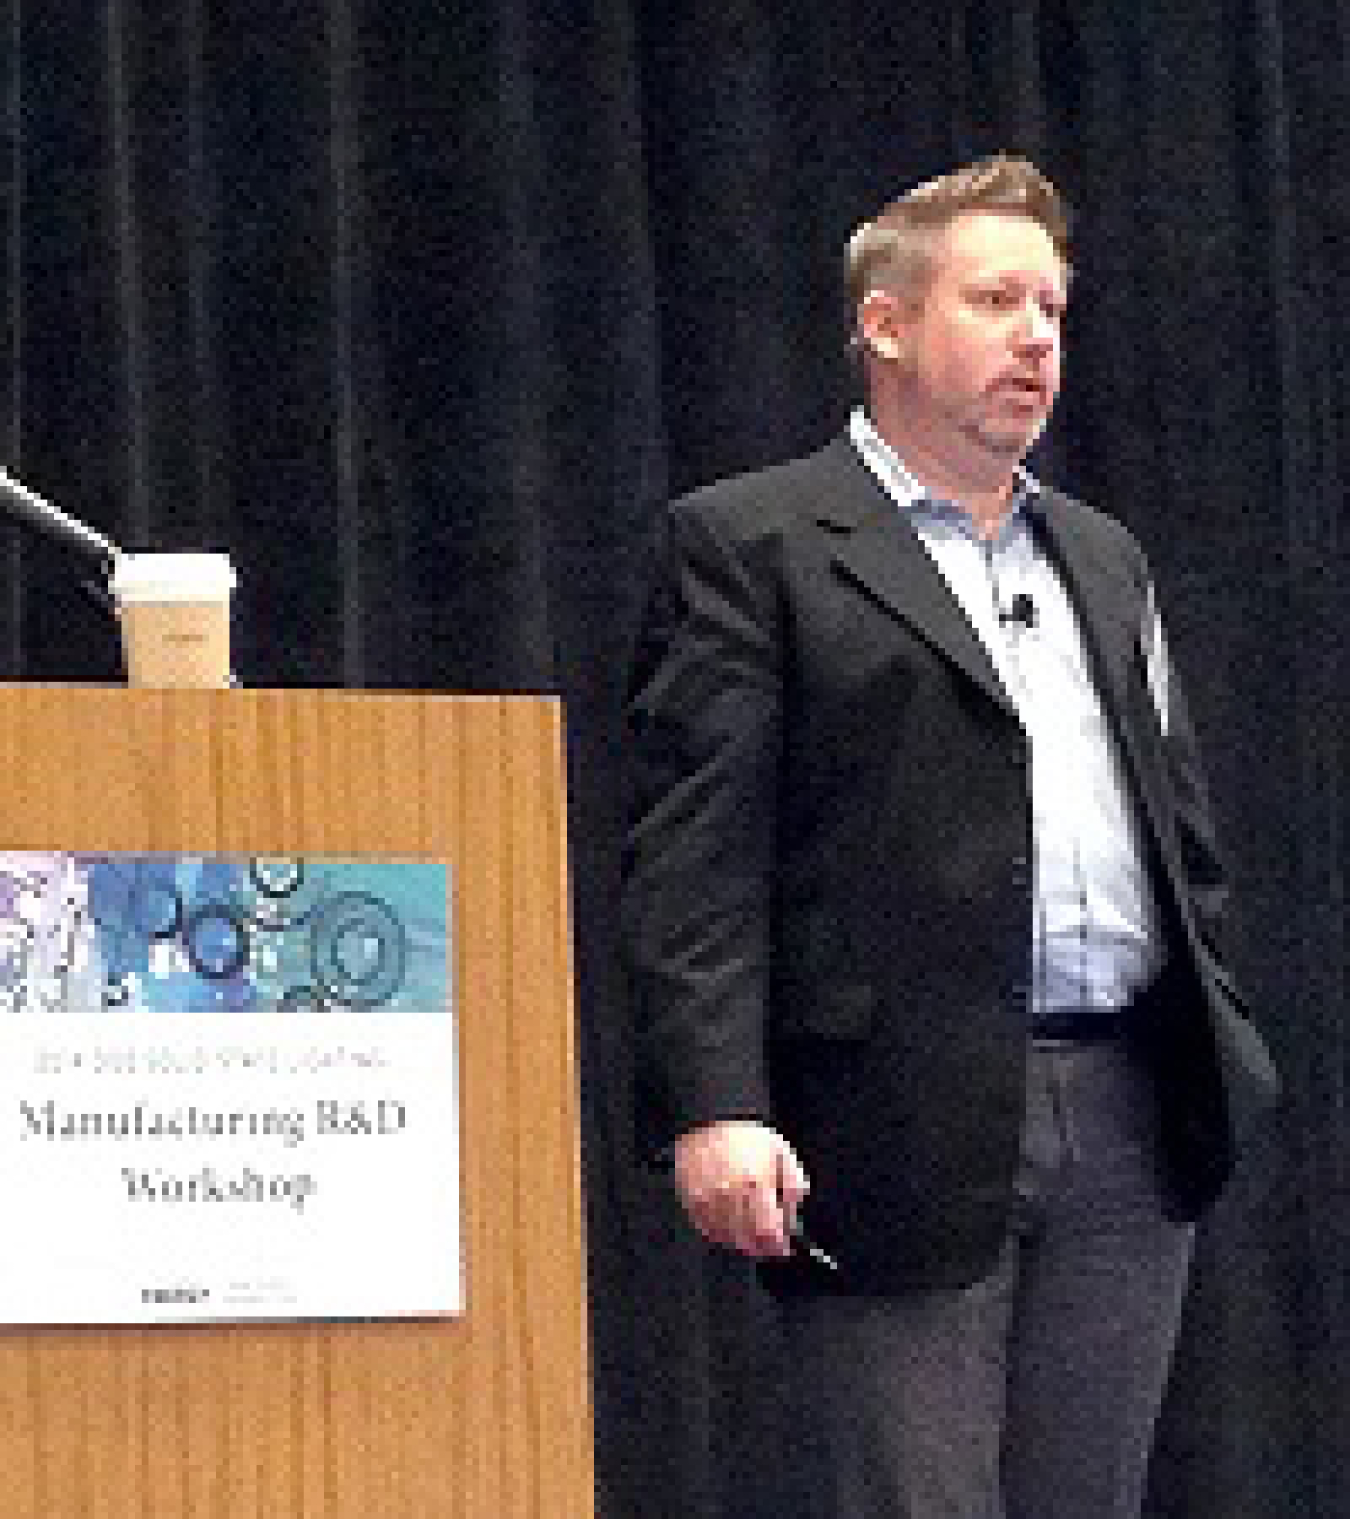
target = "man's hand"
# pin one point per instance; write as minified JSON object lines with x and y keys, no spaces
{"x":741,"y":1184}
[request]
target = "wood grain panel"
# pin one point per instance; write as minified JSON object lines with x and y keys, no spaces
{"x":482,"y":1417}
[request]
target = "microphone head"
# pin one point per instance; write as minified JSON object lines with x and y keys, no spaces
{"x":1023,"y":610}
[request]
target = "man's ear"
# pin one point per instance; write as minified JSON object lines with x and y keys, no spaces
{"x":885,"y":325}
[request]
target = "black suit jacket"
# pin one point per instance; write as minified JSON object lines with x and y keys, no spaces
{"x":827,"y":885}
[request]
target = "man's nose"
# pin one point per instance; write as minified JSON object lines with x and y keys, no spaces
{"x":1037,"y":329}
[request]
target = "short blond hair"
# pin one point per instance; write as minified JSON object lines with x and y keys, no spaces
{"x":895,"y":250}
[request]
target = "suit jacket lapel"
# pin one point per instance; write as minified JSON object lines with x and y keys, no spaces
{"x":879,"y":550}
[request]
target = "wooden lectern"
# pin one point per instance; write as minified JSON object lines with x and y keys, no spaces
{"x":486,"y":1416}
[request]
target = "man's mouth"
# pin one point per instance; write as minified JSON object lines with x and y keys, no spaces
{"x":1026,"y":388}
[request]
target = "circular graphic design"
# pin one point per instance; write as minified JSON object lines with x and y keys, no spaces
{"x":284,"y":893}
{"x":358,"y":950}
{"x":276,"y":877}
{"x":217,"y":942}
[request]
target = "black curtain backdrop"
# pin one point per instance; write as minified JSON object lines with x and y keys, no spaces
{"x":420,"y":310}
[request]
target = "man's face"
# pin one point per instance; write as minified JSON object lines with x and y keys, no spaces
{"x":980,"y":349}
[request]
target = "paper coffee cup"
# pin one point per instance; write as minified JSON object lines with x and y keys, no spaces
{"x":174,"y":611}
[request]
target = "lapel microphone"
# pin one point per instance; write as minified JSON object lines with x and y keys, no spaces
{"x":1023,"y":611}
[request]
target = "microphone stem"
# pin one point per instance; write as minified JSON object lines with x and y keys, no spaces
{"x":45,"y":517}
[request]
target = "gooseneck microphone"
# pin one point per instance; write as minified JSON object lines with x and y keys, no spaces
{"x":1022,"y":610}
{"x":37,"y":513}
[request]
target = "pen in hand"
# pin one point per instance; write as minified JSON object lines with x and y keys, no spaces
{"x":804,"y":1242}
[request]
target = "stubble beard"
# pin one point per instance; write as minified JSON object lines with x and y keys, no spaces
{"x":1004,"y":446}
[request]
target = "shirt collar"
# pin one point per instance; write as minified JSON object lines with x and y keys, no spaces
{"x":904,"y":489}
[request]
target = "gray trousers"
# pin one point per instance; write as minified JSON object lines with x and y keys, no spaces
{"x":1033,"y":1394}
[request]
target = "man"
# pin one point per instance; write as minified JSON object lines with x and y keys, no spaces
{"x":922,"y":907}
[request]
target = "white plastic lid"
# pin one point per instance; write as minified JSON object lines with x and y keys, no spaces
{"x":172,"y":577}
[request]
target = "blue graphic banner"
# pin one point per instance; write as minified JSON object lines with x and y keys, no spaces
{"x":207,"y":933}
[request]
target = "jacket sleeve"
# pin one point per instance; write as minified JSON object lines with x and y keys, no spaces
{"x":703,"y":728}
